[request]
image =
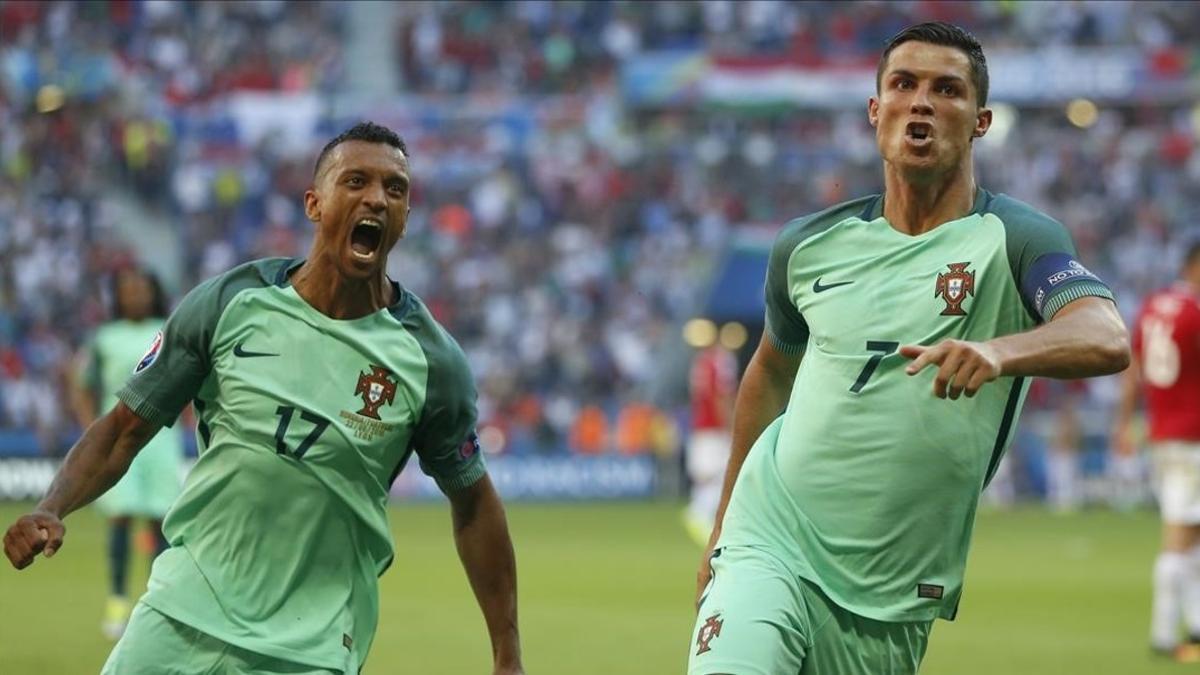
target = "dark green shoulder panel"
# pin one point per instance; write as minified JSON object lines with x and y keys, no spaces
{"x":785,"y":325}
{"x":171,"y":376}
{"x":1029,"y":233}
{"x":201,"y":309}
{"x":1042,"y":258}
{"x":444,"y":439}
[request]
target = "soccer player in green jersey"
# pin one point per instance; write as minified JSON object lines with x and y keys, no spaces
{"x":901,"y":333}
{"x":314,"y":381}
{"x":152,"y":482}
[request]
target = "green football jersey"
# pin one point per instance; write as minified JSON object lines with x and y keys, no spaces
{"x":871,"y":489}
{"x":151,"y":483}
{"x":303,"y":424}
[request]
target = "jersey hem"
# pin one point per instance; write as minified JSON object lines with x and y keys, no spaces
{"x":463,"y":479}
{"x":779,"y":344}
{"x":143,"y":408}
{"x":802,"y":570}
{"x":1072,"y":293}
{"x":265,"y":649}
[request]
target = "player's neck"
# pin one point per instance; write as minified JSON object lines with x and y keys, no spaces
{"x":916,"y":207}
{"x":321,"y":285}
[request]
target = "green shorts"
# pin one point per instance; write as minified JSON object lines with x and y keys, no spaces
{"x":757,"y":618}
{"x":155,"y":644}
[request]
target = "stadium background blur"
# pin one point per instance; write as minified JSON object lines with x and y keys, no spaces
{"x":596,"y":186}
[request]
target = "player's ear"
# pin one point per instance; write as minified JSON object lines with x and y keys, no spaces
{"x":983,"y":122}
{"x":873,"y":111}
{"x":312,"y":205}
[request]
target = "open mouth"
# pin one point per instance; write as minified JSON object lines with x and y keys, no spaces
{"x":366,"y":237}
{"x":919,"y":131}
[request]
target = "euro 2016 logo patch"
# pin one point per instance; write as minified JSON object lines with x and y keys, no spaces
{"x":954,"y":287}
{"x":708,"y":632}
{"x":470,"y":447}
{"x":151,"y":354}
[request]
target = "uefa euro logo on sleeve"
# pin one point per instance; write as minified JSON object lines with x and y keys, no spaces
{"x":470,"y":447}
{"x":151,"y":354}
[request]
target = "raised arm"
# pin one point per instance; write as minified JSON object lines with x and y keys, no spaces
{"x":762,"y":395}
{"x":1085,"y":338}
{"x":486,"y":551}
{"x":96,"y":462}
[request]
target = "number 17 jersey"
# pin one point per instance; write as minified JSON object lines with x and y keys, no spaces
{"x":281,"y":531}
{"x":868,"y":484}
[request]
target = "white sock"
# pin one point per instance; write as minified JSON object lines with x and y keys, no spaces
{"x":1191,"y":593}
{"x":1169,"y":571}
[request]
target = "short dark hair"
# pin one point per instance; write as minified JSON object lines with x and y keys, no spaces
{"x":947,"y":35}
{"x":363,"y":131}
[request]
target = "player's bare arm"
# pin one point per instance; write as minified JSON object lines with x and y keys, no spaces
{"x":1086,"y":338}
{"x":486,"y":551}
{"x":94,"y":465}
{"x":763,"y":394}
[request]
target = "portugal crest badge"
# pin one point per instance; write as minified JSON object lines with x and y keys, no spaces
{"x":710,"y":630}
{"x":954,"y":287}
{"x":376,"y":389}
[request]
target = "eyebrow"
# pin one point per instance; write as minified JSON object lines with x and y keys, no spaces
{"x":899,"y":72}
{"x":398,"y":177}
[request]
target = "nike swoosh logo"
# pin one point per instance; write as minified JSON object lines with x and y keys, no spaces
{"x":818,"y":288}
{"x":238,"y":351}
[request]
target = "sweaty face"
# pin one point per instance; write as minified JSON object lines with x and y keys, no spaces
{"x":359,"y":201}
{"x":926,"y":114}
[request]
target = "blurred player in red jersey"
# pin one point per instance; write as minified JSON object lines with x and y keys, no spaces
{"x":1166,"y":349}
{"x":713,"y":382}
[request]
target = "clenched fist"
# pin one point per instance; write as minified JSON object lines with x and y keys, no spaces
{"x":32,"y":534}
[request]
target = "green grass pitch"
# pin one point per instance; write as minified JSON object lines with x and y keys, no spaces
{"x":607,"y":588}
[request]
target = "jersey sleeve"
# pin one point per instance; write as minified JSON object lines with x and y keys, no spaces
{"x":445,"y":438}
{"x":1043,"y":261}
{"x":786,"y":327}
{"x":178,"y":360}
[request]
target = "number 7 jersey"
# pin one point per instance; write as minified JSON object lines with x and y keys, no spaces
{"x":867,"y":485}
{"x":304,"y":421}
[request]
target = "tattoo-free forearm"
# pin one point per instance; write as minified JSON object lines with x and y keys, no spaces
{"x":485,"y":548}
{"x":97,"y":461}
{"x":1085,"y":339}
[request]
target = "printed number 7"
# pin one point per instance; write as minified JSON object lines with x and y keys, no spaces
{"x":883,"y":349}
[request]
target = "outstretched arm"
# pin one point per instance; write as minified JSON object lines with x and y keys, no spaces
{"x":98,"y":460}
{"x":1086,"y":338}
{"x":486,"y":551}
{"x":761,"y":397}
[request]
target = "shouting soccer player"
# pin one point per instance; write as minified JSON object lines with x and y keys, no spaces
{"x":1166,"y":342}
{"x":901,"y":330}
{"x":314,"y":380}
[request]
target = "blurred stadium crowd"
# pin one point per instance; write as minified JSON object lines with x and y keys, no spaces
{"x":561,"y":236}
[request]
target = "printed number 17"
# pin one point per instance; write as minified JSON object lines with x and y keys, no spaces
{"x":883,"y":349}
